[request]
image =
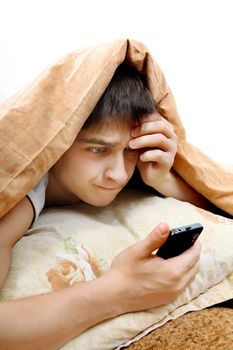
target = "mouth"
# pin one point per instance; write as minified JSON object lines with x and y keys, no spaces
{"x":110,"y":188}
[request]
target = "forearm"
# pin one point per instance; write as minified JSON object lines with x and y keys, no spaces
{"x":174,"y":186}
{"x":12,"y":227}
{"x":16,"y":222}
{"x":49,"y":321}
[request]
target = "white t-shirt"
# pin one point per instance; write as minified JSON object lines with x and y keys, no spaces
{"x":37,"y":196}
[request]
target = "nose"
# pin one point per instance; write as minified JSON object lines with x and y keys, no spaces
{"x":117,"y":170}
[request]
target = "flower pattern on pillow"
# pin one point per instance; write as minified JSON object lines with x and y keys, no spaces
{"x":76,"y":265}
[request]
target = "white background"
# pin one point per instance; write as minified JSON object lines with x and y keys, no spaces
{"x":191,"y":40}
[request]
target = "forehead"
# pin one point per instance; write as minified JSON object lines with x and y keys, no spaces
{"x":109,"y":131}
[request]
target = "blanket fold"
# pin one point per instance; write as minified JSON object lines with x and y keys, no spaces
{"x":40,"y":122}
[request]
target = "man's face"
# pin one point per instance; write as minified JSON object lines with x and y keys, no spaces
{"x":98,"y":164}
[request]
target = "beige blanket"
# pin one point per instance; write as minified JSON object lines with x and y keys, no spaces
{"x":38,"y":124}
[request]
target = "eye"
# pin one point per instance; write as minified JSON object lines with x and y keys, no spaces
{"x":97,"y":150}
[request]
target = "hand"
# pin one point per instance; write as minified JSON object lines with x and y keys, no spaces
{"x":157,"y":144}
{"x":145,"y":280}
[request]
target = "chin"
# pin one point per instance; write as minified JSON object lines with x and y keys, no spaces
{"x":101,"y":202}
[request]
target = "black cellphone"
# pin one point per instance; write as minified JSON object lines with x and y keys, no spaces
{"x":179,"y":239}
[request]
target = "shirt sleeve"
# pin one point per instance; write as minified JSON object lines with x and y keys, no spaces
{"x":37,"y":196}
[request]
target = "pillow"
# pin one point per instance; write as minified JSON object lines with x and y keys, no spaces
{"x":130,"y":218}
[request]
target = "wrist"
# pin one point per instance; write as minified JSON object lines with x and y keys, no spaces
{"x":114,"y":293}
{"x":103,"y":298}
{"x":163,"y":183}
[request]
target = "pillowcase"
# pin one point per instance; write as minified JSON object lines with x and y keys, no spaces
{"x":131,"y":217}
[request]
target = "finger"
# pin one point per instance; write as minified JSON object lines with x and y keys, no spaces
{"x":144,"y":248}
{"x":162,"y":127}
{"x":158,"y":156}
{"x":190,"y":276}
{"x":154,"y":140}
{"x":151,"y":117}
{"x":154,"y":117}
{"x":185,"y":261}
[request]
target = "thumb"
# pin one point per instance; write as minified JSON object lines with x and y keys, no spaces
{"x":153,"y":241}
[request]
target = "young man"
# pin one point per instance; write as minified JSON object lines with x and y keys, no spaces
{"x":123,"y":132}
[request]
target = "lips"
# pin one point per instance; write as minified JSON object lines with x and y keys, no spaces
{"x":110,"y":188}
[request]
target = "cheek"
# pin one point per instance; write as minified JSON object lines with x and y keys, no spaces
{"x":60,"y":166}
{"x":87,"y":169}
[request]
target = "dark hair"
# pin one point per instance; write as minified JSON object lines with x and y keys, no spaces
{"x":126,"y":98}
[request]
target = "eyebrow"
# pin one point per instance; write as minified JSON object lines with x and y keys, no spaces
{"x":98,"y":142}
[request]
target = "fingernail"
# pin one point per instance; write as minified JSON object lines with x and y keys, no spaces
{"x":132,"y":143}
{"x":163,"y":227}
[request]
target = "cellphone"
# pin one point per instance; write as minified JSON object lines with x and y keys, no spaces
{"x":179,"y":239}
